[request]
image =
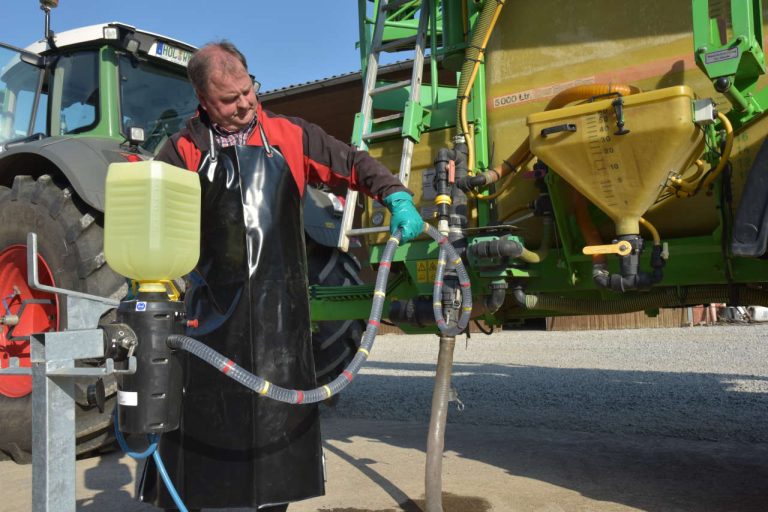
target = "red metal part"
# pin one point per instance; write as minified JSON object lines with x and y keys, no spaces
{"x":36,"y":318}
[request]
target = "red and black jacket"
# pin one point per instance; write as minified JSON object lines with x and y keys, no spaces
{"x":312,"y":155}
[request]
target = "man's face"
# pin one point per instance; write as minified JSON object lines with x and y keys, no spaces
{"x":230,"y":99}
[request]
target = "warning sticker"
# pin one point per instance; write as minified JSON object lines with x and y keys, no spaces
{"x":432,"y":270}
{"x":421,"y":272}
{"x":425,"y":271}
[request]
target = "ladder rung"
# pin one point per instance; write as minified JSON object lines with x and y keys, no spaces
{"x":367,"y":231}
{"x":390,"y":87}
{"x":414,"y":43}
{"x":393,"y":117}
{"x":383,"y":133}
{"x":398,"y":44}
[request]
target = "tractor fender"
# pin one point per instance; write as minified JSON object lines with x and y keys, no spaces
{"x":322,"y":216}
{"x":82,"y":162}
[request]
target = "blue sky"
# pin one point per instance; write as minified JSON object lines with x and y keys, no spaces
{"x":286,"y":42}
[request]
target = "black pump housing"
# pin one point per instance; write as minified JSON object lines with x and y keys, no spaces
{"x":149,"y":401}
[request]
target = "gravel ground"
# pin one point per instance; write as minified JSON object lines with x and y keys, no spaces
{"x":657,"y":420}
{"x":701,"y":383}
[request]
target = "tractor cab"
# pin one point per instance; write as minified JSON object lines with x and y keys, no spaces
{"x":20,"y":83}
{"x":108,"y":81}
{"x":71,"y":104}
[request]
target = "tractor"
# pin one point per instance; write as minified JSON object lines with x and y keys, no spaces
{"x":71,"y":104}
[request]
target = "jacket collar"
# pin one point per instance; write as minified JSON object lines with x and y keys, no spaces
{"x":198,"y":126}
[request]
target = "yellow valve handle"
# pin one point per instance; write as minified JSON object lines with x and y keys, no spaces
{"x":621,"y":248}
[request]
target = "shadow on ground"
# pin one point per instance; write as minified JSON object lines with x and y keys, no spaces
{"x":108,"y":477}
{"x":655,"y":441}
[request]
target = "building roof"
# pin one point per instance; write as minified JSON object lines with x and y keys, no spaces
{"x":330,"y":81}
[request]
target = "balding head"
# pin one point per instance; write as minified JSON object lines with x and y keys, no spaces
{"x":219,"y":74}
{"x":213,"y":58}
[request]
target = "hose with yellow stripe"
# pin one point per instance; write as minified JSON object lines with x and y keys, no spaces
{"x":297,"y":396}
{"x":448,"y":254}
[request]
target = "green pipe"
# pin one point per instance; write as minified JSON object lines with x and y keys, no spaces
{"x":433,"y":52}
{"x":453,"y":36}
{"x":660,"y":298}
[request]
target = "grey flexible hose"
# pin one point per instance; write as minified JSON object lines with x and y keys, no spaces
{"x":447,"y":251}
{"x":433,"y":478}
{"x":296,"y":396}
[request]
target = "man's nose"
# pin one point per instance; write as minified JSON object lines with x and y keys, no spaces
{"x":242,"y":103}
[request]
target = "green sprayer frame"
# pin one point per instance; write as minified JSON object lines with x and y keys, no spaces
{"x":733,"y":60}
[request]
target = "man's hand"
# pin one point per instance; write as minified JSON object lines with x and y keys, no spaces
{"x":404,"y":215}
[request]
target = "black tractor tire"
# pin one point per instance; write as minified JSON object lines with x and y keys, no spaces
{"x":334,"y":342}
{"x":70,"y":240}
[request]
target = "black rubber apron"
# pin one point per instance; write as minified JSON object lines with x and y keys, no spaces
{"x":234,"y":448}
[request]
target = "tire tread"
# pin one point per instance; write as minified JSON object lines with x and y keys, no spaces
{"x":81,"y":267}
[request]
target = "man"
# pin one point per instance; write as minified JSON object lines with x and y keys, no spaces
{"x":249,"y":291}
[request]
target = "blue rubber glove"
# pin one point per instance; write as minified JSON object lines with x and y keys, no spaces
{"x":404,"y":215}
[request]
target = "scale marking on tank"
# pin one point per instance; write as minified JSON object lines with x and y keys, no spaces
{"x":608,"y":165}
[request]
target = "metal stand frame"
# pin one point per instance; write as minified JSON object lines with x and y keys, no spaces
{"x":53,"y":357}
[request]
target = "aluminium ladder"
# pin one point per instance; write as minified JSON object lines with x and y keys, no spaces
{"x":366,"y":131}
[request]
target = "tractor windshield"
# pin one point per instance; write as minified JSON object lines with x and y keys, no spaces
{"x":154,"y":98}
{"x":20,"y":84}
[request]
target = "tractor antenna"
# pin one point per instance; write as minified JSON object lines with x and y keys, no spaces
{"x":46,"y":6}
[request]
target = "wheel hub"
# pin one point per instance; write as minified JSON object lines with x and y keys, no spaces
{"x":23,"y":311}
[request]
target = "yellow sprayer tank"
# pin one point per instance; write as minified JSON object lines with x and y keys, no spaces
{"x":539,"y":49}
{"x":151,"y":220}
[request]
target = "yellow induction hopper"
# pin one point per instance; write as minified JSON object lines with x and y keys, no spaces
{"x":621,"y":174}
{"x":151,"y":220}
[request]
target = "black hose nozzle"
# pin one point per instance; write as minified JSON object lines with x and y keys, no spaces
{"x":502,"y":248}
{"x":472,"y":182}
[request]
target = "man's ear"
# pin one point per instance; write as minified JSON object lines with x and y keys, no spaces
{"x":201,"y":99}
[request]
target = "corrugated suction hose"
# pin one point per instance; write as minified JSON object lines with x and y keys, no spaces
{"x":296,"y":396}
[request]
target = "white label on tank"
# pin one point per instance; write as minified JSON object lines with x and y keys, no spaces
{"x":128,"y":398}
{"x":141,"y":306}
{"x":514,"y":98}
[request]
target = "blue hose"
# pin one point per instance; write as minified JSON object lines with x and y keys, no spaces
{"x":168,"y":484}
{"x":124,"y":446}
{"x":294,"y":396}
{"x":154,"y":439}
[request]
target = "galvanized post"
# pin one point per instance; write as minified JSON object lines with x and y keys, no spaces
{"x":53,"y":358}
{"x":53,"y":432}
